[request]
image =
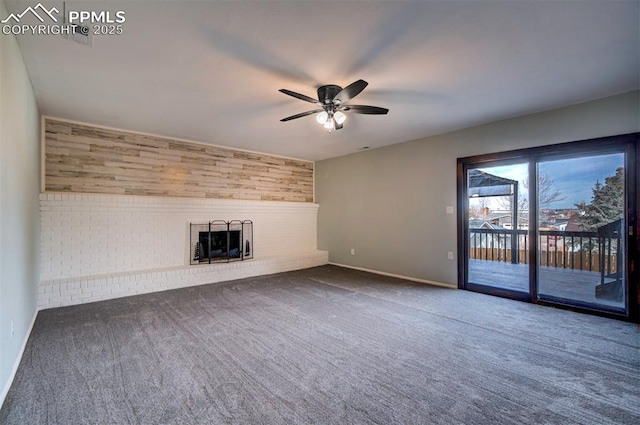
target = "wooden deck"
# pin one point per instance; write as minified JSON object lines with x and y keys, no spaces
{"x":578,"y":285}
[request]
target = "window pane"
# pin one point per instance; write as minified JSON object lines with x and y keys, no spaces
{"x":580,"y":230}
{"x":498,"y":227}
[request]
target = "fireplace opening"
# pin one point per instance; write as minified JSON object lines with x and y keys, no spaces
{"x":216,"y":247}
{"x":221,"y":241}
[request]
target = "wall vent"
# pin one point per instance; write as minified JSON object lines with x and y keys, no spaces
{"x":81,"y":34}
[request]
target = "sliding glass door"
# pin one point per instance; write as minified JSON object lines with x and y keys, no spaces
{"x":552,"y":225}
{"x":581,"y":215}
{"x":498,"y":229}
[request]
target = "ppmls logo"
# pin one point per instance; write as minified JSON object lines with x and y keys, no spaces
{"x":84,"y":22}
{"x":33,"y":11}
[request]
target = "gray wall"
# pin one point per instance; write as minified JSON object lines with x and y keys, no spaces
{"x":389,"y":203}
{"x":19,"y":207}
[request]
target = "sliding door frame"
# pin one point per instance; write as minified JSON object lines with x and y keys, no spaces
{"x":627,"y":143}
{"x":463,"y":208}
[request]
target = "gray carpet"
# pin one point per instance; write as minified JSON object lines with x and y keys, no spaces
{"x":324,"y":346}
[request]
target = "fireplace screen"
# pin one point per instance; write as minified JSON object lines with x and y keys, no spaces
{"x":221,"y":241}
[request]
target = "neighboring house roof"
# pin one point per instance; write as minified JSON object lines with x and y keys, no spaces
{"x":498,"y":215}
{"x":476,"y":223}
{"x":573,"y":225}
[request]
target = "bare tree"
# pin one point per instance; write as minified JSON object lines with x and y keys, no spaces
{"x":506,"y":202}
{"x":547,"y":195}
{"x":477,"y":207}
{"x":547,"y":192}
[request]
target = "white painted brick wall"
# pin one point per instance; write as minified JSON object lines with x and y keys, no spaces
{"x":84,"y":235}
{"x":95,"y":247}
{"x":79,"y":290}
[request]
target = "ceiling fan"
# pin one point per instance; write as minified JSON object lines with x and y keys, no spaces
{"x":332,"y":99}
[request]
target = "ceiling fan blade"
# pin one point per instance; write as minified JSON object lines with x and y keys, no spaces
{"x":300,"y":115}
{"x":349,"y":92}
{"x":300,"y":96}
{"x":364,"y":109}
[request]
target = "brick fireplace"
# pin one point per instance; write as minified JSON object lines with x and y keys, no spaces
{"x":117,"y":208}
{"x":96,"y":247}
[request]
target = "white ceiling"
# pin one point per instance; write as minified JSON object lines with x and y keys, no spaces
{"x":210,"y":71}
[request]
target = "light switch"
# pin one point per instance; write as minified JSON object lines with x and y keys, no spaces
{"x":449,"y":210}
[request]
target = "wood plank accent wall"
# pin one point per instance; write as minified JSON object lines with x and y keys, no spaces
{"x":82,"y":158}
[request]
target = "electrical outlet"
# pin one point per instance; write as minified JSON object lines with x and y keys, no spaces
{"x":12,"y":330}
{"x":450,"y":255}
{"x":353,"y":251}
{"x":449,"y":210}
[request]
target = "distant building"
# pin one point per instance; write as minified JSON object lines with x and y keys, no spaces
{"x":573,"y":225}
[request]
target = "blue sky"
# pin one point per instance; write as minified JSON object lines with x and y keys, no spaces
{"x":573,"y":177}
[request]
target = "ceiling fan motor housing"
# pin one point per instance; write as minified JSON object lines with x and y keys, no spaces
{"x":327,"y":93}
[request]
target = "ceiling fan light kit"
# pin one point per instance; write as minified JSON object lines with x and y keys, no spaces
{"x":322,"y":117}
{"x":332,"y":99}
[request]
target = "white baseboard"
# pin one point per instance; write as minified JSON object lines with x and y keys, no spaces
{"x":12,"y":375}
{"x":399,"y":276}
